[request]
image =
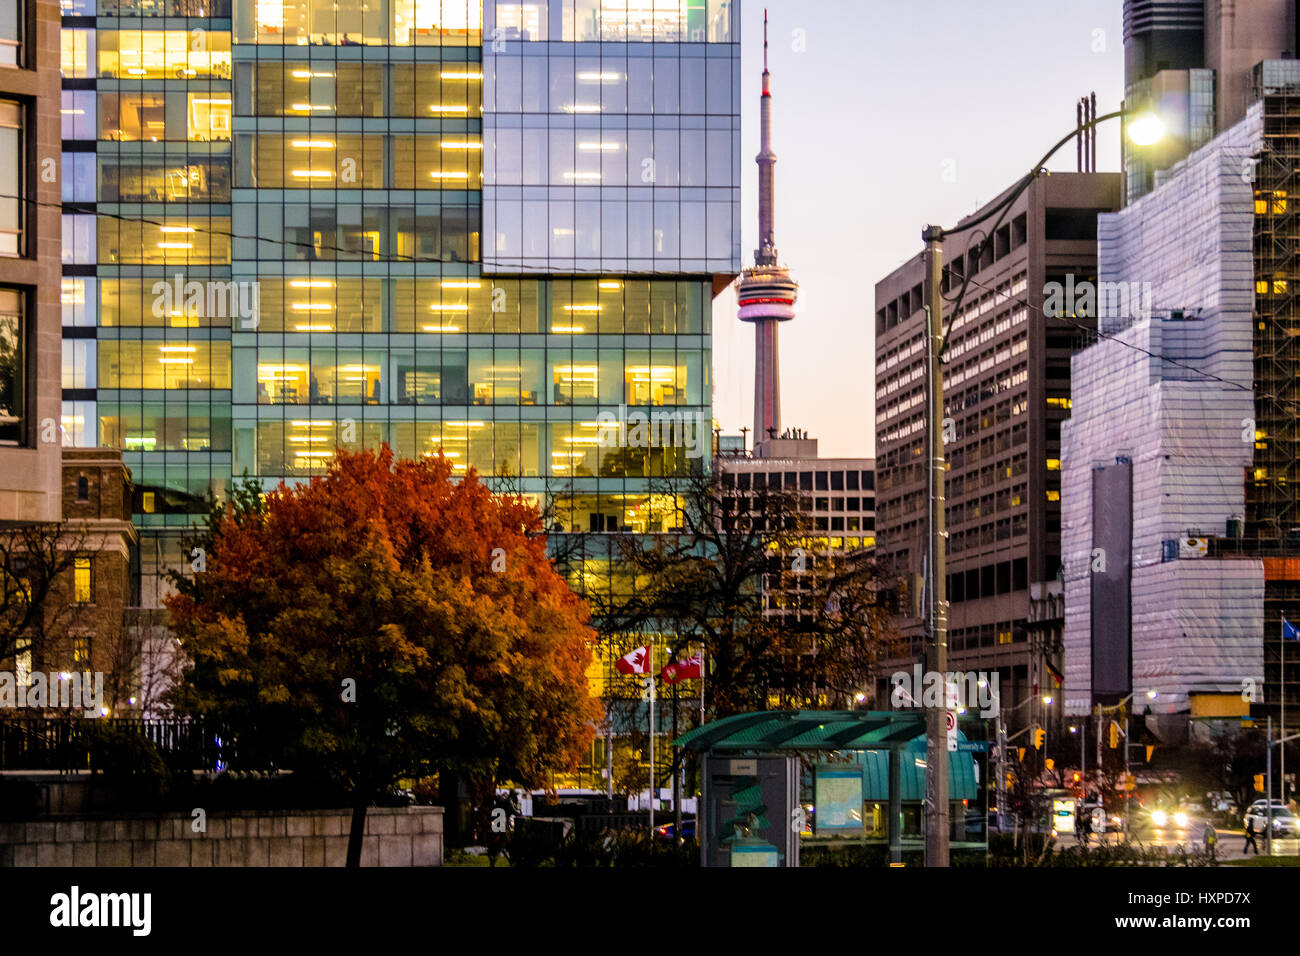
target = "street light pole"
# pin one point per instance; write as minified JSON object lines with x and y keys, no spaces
{"x":1268,"y":791}
{"x":936,"y":827}
{"x":1083,"y":763}
{"x":1001,"y":730}
{"x":936,"y":718}
{"x":1126,"y":773}
{"x":1001,"y":790}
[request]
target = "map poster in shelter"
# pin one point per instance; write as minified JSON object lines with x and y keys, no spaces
{"x":839,"y":799}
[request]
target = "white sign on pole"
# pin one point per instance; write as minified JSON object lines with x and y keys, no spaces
{"x":950,"y":691}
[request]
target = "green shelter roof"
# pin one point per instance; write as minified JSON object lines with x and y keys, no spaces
{"x":807,"y":730}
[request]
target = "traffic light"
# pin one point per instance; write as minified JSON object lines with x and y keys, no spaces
{"x":1077,"y":777}
{"x":1040,"y":736}
{"x":1114,"y":735}
{"x":1050,"y":764}
{"x":1259,"y":783}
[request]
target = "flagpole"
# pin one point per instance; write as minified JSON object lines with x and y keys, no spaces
{"x":652,"y":739}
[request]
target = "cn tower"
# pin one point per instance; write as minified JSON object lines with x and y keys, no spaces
{"x":766,"y":292}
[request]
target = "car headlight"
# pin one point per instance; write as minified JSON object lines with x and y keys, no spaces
{"x":1159,"y":818}
{"x":1180,"y":819}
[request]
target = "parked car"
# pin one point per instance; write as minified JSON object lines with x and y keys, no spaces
{"x":668,"y":831}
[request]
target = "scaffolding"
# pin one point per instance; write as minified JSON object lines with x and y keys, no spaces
{"x":1272,"y":488}
{"x":1272,"y":500}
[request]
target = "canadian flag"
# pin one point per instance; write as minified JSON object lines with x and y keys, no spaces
{"x":637,"y":662}
{"x":691,"y":669}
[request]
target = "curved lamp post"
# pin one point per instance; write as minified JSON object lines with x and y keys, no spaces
{"x":1145,"y":130}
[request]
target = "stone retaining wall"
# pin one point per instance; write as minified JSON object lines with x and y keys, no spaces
{"x":395,"y":836}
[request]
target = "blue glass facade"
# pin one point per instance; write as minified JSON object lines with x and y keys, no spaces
{"x":611,"y":156}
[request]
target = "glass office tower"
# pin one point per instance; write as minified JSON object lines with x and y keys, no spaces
{"x":494,"y":230}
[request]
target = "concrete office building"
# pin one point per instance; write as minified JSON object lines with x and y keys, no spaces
{"x":1180,"y":457}
{"x":837,"y":495}
{"x":1190,"y":62}
{"x":1007,"y":391}
{"x":29,"y":261}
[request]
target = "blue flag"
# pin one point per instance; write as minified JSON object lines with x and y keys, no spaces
{"x":1289,"y":631}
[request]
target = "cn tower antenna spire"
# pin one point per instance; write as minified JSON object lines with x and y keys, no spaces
{"x":766,"y":159}
{"x":765,"y":42}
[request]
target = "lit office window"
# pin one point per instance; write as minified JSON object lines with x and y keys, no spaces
{"x":438,"y":22}
{"x":81,"y":580}
{"x":299,"y":88}
{"x":140,"y":178}
{"x":176,"y":243}
{"x":163,"y":54}
{"x":165,"y":426}
{"x":434,"y":307}
{"x":154,"y":117}
{"x":155,"y":302}
{"x":303,"y":161}
{"x":311,"y":304}
{"x":77,"y":53}
{"x":164,"y":364}
{"x":438,"y":162}
{"x":436,"y":90}
{"x":77,"y":297}
{"x":13,"y":367}
{"x":152,"y":8}
{"x":317,"y":22}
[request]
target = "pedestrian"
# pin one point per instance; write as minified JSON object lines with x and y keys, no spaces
{"x":1085,"y":827}
{"x":1250,"y":837}
{"x":1211,"y":837}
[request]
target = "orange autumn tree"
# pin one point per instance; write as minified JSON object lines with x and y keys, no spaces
{"x":384,"y":621}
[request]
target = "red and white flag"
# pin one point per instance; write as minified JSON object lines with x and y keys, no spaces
{"x":637,"y":662}
{"x":690,"y":669}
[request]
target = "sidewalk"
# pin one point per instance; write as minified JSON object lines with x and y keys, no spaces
{"x":1230,"y":845}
